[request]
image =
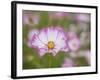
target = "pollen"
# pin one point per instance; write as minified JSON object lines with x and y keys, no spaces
{"x":51,"y":45}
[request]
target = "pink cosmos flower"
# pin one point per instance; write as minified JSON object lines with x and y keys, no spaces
{"x":58,"y":15}
{"x":49,"y":40}
{"x":68,"y":63}
{"x":30,"y":35}
{"x":83,"y":17}
{"x":31,"y":19}
{"x":73,"y":41}
{"x":52,"y":40}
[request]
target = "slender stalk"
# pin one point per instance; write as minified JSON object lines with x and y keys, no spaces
{"x":49,"y":61}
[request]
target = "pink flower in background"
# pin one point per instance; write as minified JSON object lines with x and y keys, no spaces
{"x":31,"y":34}
{"x":83,"y":17}
{"x":68,"y":63}
{"x":73,"y":41}
{"x":49,"y":40}
{"x":58,"y":15}
{"x":31,"y":19}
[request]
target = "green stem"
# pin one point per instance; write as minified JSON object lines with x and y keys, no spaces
{"x":49,"y":61}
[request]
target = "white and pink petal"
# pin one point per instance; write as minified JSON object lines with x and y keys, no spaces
{"x":36,"y":42}
{"x":32,"y":33}
{"x":51,"y":34}
{"x":42,"y":51}
{"x":43,"y":36}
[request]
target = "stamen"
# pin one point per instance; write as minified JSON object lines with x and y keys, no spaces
{"x":51,"y":45}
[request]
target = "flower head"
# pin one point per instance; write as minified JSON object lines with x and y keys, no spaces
{"x":83,"y":17}
{"x":73,"y":41}
{"x":68,"y":63}
{"x":51,"y":40}
{"x":58,"y":15}
{"x":31,"y":34}
{"x":31,"y":19}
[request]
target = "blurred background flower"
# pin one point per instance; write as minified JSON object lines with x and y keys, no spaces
{"x":58,"y":15}
{"x":83,"y":17}
{"x":68,"y":63}
{"x":73,"y":41}
{"x":30,"y":19}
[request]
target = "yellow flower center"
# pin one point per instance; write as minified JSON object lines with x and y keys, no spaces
{"x":51,"y":45}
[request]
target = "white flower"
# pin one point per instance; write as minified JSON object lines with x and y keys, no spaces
{"x":52,"y":40}
{"x":49,"y":40}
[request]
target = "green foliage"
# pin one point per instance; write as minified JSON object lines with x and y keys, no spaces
{"x":81,"y":61}
{"x":43,"y":20}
